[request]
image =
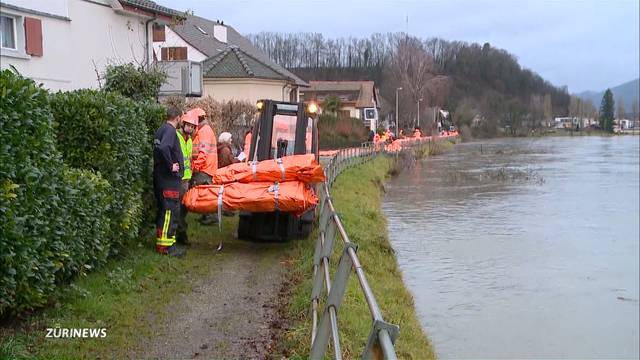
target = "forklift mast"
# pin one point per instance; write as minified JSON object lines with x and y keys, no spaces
{"x":281,"y":129}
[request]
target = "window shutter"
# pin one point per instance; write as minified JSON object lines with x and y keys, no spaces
{"x":33,"y":36}
{"x":158,"y":33}
{"x":163,"y":54}
{"x":181,"y":53}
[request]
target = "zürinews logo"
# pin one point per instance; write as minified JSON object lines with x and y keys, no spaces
{"x":65,"y":333}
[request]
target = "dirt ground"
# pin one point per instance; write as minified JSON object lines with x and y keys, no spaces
{"x":231,"y":313}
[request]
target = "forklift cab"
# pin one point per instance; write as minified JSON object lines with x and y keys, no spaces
{"x":280,"y":129}
{"x":283,"y":129}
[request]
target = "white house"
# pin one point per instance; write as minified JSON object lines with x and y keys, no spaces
{"x":233,"y":68}
{"x":65,"y":44}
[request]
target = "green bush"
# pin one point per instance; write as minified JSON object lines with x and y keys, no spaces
{"x":135,"y":82}
{"x":104,"y":132}
{"x":86,"y":224}
{"x":338,"y":133}
{"x":30,"y":171}
{"x":52,"y":219}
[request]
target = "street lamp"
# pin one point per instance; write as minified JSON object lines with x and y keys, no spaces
{"x":419,"y":111}
{"x":397,"y":128}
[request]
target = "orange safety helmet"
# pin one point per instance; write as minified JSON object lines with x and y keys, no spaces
{"x":198,"y":112}
{"x":190,"y":117}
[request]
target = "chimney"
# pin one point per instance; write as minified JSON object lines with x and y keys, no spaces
{"x":220,"y":33}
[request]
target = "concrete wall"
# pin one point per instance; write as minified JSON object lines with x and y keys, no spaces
{"x":250,"y":90}
{"x":171,"y":39}
{"x":93,"y":36}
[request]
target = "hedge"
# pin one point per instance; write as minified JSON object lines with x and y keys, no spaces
{"x":73,"y":170}
{"x":52,"y":222}
{"x":336,"y":133}
{"x":107,"y":133}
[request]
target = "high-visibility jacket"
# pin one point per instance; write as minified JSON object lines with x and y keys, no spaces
{"x":187,"y":149}
{"x":205,"y":152}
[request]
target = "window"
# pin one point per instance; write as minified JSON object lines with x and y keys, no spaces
{"x":284,"y":128}
{"x":158,"y":33}
{"x":8,"y":32}
{"x":174,"y":53}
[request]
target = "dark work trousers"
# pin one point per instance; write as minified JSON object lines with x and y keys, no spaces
{"x":181,"y":232}
{"x":167,"y":197}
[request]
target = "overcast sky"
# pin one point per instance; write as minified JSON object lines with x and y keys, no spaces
{"x":586,"y":45}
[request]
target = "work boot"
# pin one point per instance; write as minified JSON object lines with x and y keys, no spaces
{"x":208,"y":219}
{"x":182,"y":239}
{"x":176,"y":251}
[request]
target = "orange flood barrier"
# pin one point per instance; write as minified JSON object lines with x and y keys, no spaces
{"x":302,"y":168}
{"x":292,"y":196}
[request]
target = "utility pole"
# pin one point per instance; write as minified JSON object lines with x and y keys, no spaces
{"x":397,"y":128}
{"x":419,"y":112}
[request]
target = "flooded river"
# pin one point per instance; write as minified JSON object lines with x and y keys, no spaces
{"x":523,"y":248}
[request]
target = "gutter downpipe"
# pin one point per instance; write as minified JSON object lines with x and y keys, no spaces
{"x":146,"y":40}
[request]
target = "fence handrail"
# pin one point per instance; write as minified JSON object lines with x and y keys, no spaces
{"x":382,"y":336}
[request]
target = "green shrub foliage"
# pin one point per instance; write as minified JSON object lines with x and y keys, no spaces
{"x":53,"y":219}
{"x":104,"y":132}
{"x":73,"y":170}
{"x":135,"y":82}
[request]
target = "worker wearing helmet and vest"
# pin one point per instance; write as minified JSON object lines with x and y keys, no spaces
{"x":204,"y":159}
{"x":185,"y":135}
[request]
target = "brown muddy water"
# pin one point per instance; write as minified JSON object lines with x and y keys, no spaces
{"x":526,"y":250}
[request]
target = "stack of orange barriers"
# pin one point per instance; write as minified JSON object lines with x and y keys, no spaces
{"x":266,"y":186}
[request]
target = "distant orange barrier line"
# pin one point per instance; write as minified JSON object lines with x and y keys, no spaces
{"x":396,"y":145}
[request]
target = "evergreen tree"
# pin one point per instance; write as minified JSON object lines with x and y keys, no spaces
{"x":606,"y":111}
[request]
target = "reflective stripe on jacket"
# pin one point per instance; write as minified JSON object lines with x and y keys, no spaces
{"x":204,"y":157}
{"x":187,"y":149}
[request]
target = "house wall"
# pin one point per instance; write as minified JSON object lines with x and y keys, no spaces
{"x":92,"y":37}
{"x":174,"y":40}
{"x":250,"y":90}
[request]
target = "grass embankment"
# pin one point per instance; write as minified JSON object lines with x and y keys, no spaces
{"x":357,"y":196}
{"x":127,"y":297}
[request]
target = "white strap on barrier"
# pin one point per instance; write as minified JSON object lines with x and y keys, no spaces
{"x":254,"y":165}
{"x":275,"y":188}
{"x":220,"y":193}
{"x":282,"y":172}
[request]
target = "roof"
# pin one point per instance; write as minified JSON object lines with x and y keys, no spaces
{"x":366,"y":90}
{"x":233,"y":62}
{"x":189,"y":30}
{"x":152,"y":6}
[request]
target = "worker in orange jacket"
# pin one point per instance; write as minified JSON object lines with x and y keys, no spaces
{"x":247,"y":144}
{"x":204,"y":158}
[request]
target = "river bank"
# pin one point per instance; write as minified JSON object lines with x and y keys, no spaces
{"x":357,"y":195}
{"x":250,"y":299}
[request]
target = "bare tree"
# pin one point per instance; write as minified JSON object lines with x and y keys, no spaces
{"x":634,"y":109}
{"x":413,"y":69}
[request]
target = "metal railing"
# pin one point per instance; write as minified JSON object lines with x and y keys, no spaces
{"x":382,"y":336}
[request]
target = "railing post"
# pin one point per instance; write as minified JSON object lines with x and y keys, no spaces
{"x":334,"y":300}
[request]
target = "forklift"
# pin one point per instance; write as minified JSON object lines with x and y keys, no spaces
{"x":281,"y":129}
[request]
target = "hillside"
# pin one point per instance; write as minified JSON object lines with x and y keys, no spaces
{"x":628,"y":91}
{"x":471,"y":80}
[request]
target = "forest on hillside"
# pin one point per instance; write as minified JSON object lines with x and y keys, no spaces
{"x":472,"y":81}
